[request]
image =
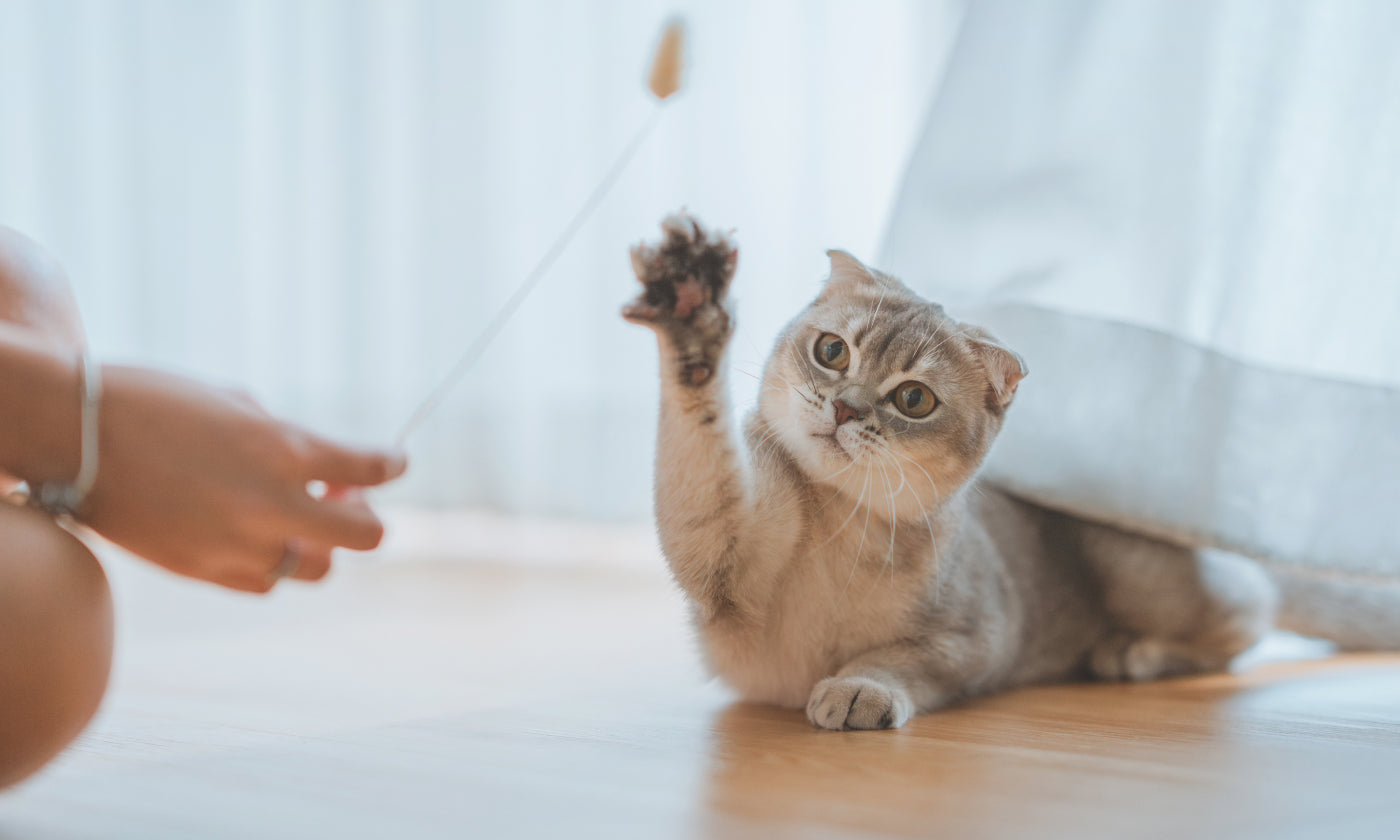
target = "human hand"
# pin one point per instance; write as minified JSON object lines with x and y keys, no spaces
{"x":206,"y":483}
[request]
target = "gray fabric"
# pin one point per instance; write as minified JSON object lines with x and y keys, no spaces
{"x":1307,"y":477}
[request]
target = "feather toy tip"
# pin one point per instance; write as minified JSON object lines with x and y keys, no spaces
{"x":668,"y":66}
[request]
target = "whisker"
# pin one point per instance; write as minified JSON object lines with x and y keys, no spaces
{"x":764,"y":457}
{"x":854,"y":508}
{"x":952,"y":336}
{"x":926,"y":510}
{"x":833,"y":475}
{"x":870,"y":322}
{"x":894,"y":519}
{"x":933,"y":547}
{"x":863,"y":531}
{"x":855,"y":563}
{"x":885,"y":450}
{"x":839,"y":490}
{"x":810,"y":398}
{"x":766,"y":436}
{"x":917,"y":466}
{"x":919,"y":352}
{"x":802,"y":365}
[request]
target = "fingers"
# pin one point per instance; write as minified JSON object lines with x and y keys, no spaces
{"x":342,"y":518}
{"x":335,"y":463}
{"x":263,"y":568}
{"x":243,"y":570}
{"x":249,"y":583}
{"x":314,"y":562}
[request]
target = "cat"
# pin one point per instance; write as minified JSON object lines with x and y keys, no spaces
{"x":844,"y":558}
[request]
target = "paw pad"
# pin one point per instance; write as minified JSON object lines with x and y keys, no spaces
{"x":689,"y":269}
{"x":685,"y":282}
{"x":858,"y":703}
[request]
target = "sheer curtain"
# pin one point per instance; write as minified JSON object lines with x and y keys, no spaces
{"x":324,"y":201}
{"x":1186,"y":215}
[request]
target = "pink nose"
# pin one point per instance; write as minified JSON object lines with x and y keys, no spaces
{"x":844,"y":412}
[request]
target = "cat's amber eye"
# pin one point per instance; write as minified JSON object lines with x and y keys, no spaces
{"x":832,"y":352}
{"x":914,"y":399}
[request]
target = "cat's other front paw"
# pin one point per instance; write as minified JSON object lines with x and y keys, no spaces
{"x":685,"y":286}
{"x":858,"y":703}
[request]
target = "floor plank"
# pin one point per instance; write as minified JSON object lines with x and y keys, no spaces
{"x":448,"y":699}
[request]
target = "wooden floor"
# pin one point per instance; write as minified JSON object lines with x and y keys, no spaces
{"x":460,"y":700}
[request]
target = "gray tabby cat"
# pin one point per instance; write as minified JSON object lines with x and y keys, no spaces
{"x":845,"y":558}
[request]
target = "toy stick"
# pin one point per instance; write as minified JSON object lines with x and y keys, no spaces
{"x":663,"y":81}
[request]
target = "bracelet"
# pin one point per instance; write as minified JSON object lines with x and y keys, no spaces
{"x":63,"y":498}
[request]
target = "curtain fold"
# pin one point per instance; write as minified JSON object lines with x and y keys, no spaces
{"x":1186,"y":215}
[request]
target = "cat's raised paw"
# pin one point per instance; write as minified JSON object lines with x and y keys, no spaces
{"x":685,"y":285}
{"x":858,"y":703}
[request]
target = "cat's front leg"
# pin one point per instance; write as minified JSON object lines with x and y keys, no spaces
{"x":702,"y":491}
{"x":880,"y":689}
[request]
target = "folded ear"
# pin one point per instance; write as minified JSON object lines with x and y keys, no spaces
{"x":847,"y":270}
{"x":1005,"y":367}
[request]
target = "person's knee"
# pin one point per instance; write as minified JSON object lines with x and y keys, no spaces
{"x":55,"y":640}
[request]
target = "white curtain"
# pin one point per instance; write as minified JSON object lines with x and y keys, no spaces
{"x":1186,"y":215}
{"x":325,"y":201}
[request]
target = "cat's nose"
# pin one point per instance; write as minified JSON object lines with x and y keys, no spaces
{"x":845,"y":411}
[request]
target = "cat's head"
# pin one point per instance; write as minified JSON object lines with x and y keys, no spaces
{"x":875,"y":390}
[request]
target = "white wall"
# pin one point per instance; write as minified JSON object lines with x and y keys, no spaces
{"x":323,"y":201}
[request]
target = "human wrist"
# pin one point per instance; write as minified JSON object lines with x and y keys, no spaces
{"x":40,"y":408}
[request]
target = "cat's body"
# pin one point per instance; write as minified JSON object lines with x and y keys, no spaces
{"x":817,"y":608}
{"x":840,"y":553}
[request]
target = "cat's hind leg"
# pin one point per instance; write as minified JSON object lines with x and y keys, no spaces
{"x":1177,"y":611}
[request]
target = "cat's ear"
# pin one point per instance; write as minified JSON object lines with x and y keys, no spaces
{"x":847,"y":271}
{"x":1005,"y":367}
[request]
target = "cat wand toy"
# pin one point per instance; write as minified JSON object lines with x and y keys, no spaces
{"x":664,"y":81}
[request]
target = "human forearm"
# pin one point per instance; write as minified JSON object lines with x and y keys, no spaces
{"x":200,"y":480}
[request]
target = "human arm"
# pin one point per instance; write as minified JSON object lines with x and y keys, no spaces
{"x":198,"y":479}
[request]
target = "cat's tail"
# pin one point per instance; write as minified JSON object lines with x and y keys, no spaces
{"x":1354,"y":615}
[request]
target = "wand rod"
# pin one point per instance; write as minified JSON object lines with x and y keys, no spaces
{"x":665,"y":79}
{"x":497,"y":323}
